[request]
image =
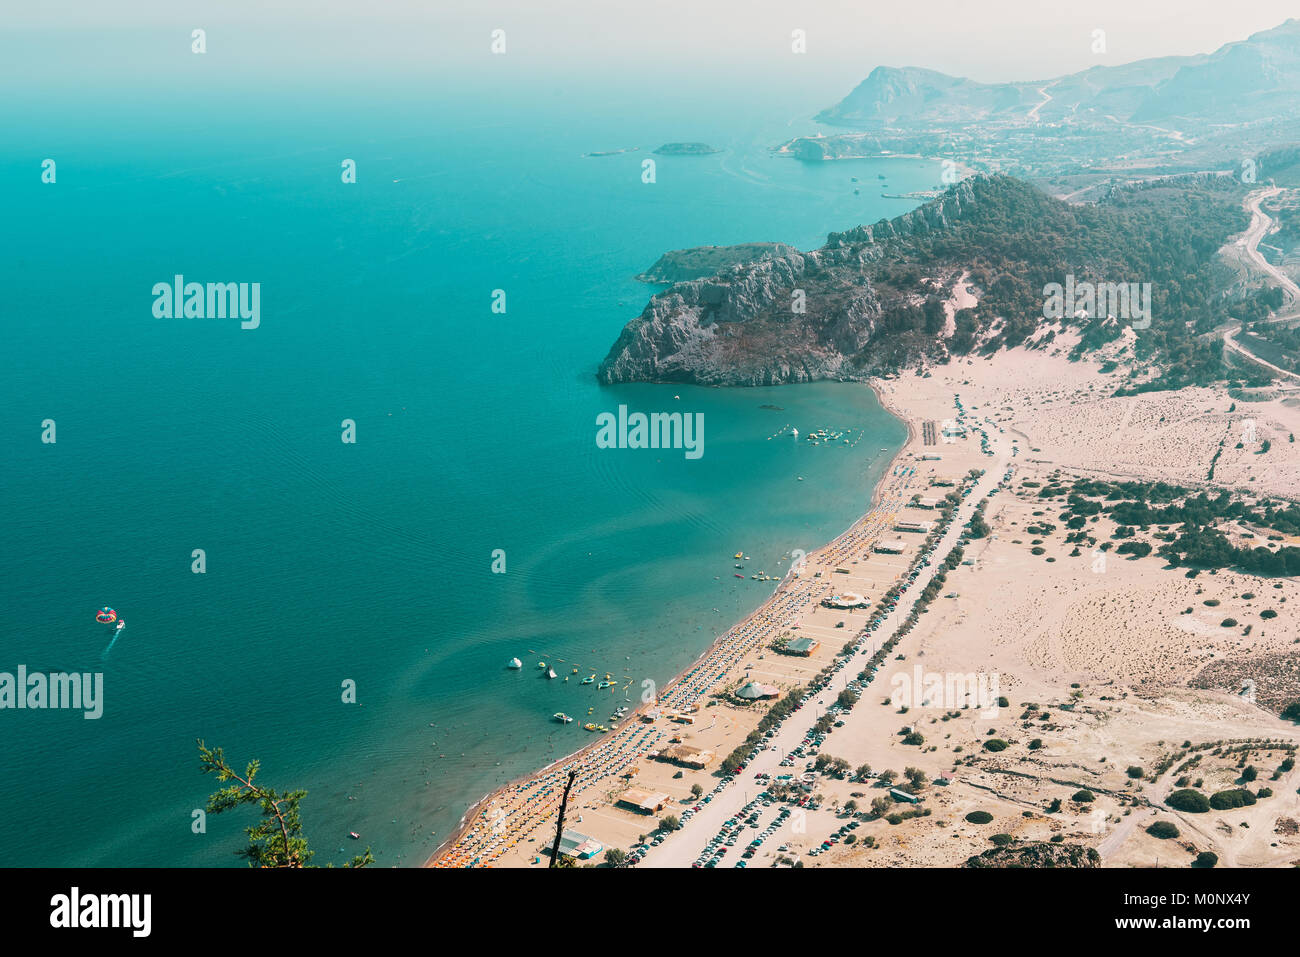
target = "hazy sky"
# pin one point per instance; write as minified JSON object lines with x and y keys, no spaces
{"x":983,"y":39}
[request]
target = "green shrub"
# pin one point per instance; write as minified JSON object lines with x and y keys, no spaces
{"x":1139,"y":549}
{"x":979,"y":817}
{"x":1234,"y":798}
{"x":995,"y":744}
{"x":1189,"y":801}
{"x":1163,"y":830}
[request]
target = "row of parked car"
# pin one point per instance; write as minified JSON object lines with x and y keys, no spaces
{"x":843,"y":831}
{"x":734,"y":829}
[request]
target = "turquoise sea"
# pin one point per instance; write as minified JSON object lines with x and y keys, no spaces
{"x":372,"y":562}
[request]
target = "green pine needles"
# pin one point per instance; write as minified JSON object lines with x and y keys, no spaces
{"x":277,"y":839}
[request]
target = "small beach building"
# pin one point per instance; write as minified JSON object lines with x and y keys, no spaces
{"x":925,"y":502}
{"x":845,"y":600}
{"x":643,"y":802}
{"x":802,"y":646}
{"x":686,"y":756}
{"x":907,"y":797}
{"x":895,"y":547}
{"x":922,"y":528}
{"x":579,"y":846}
{"x":753,"y":691}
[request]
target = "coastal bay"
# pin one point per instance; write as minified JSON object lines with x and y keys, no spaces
{"x":373,"y":562}
{"x":512,"y":826}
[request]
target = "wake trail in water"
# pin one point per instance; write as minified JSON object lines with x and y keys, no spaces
{"x":116,"y":634}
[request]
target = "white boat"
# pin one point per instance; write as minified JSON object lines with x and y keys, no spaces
{"x":550,"y":673}
{"x":561,"y":717}
{"x":121,"y":623}
{"x":514,"y":664}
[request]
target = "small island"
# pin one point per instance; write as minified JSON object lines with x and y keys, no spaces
{"x":686,"y":149}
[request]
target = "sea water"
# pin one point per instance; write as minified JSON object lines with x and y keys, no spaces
{"x":473,"y":519}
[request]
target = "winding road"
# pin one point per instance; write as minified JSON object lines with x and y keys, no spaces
{"x":1047,"y":98}
{"x":1260,"y":225}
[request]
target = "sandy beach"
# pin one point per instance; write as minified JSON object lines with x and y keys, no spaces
{"x":1106,"y":675}
{"x":1124,"y":678}
{"x":515,"y":824}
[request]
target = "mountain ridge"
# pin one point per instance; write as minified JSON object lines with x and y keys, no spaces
{"x":883,"y":296}
{"x":1147,"y":89}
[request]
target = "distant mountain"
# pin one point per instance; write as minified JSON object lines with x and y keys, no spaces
{"x":891,"y":96}
{"x":1077,"y":135}
{"x":1255,"y":78}
{"x":1252,"y":79}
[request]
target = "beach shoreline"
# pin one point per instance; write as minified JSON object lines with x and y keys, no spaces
{"x":1027,"y":603}
{"x":466,"y":822}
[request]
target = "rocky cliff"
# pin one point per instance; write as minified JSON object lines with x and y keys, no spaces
{"x":681,"y":265}
{"x":895,"y":294}
{"x":788,"y":318}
